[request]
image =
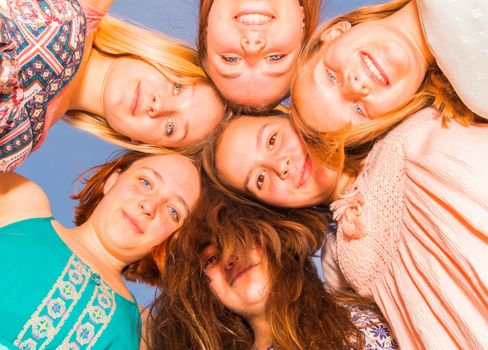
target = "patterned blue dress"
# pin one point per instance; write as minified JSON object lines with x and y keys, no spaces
{"x":50,"y":299}
{"x":41,"y":47}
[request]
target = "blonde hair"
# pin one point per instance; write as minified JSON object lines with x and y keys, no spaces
{"x":174,"y":59}
{"x":348,"y":147}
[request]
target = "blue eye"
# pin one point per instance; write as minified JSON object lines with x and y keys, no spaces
{"x":332,"y":77}
{"x":274,"y":58}
{"x":231,"y":59}
{"x":170,"y":124}
{"x":145,"y":183}
{"x":357,"y":108}
{"x":174,"y":213}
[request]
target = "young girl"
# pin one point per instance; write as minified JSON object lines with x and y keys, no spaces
{"x":253,"y":63}
{"x":62,"y":287}
{"x":374,"y":66}
{"x":135,"y":87}
{"x":412,"y":224}
{"x":243,"y":278}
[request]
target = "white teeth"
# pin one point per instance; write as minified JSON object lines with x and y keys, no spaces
{"x":254,"y":19}
{"x":374,"y":69}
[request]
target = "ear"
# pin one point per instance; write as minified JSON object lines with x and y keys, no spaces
{"x":336,"y":30}
{"x":112,"y":179}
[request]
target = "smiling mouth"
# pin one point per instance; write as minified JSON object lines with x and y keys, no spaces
{"x":376,"y":72}
{"x":133,"y":223}
{"x":135,"y":98}
{"x":255,"y":19}
{"x":305,"y":173}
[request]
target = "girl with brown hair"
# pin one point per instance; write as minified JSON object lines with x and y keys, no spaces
{"x":63,"y":287}
{"x":253,"y":63}
{"x":412,"y":229}
{"x":239,"y":277}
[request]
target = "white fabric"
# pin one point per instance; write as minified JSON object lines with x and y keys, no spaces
{"x":457,"y":33}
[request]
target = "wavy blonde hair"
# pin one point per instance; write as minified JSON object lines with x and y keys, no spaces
{"x":174,"y":59}
{"x":348,"y":147}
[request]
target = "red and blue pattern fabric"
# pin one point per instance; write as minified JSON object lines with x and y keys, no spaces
{"x":41,"y":47}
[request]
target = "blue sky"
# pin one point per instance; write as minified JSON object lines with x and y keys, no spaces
{"x":67,"y":152}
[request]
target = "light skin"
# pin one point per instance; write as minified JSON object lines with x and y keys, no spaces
{"x":141,"y":207}
{"x":138,"y":101}
{"x":264,"y":157}
{"x":361,"y":72}
{"x":242,"y":285}
{"x":253,"y":63}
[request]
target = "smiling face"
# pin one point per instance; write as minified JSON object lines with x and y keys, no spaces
{"x":253,"y":63}
{"x":145,"y":204}
{"x":263,"y":156}
{"x":359,"y":73}
{"x":142,"y":104}
{"x":241,"y":286}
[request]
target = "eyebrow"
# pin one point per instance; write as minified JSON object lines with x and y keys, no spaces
{"x":158,"y":176}
{"x":183,"y":203}
{"x":259,"y":137}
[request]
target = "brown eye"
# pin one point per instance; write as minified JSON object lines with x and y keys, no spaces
{"x":260,"y":179}
{"x":210,"y":260}
{"x":272,"y":141}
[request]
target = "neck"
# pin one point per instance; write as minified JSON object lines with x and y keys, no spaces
{"x":263,"y":337}
{"x":88,"y":95}
{"x":407,"y":21}
{"x":85,"y":242}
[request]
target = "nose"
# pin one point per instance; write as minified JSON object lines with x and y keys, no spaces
{"x":147,"y":207}
{"x":282,"y":167}
{"x":357,"y":86}
{"x":157,"y":106}
{"x":252,"y":44}
{"x":232,"y":262}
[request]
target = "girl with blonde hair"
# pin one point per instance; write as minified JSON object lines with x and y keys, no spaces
{"x":365,"y":71}
{"x":412,"y":229}
{"x":253,"y":63}
{"x":239,"y":277}
{"x":130,"y":86}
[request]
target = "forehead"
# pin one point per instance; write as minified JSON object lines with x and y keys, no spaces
{"x":205,"y":111}
{"x":179,"y":172}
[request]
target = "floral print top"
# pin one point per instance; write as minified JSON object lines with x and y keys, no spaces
{"x":41,"y":47}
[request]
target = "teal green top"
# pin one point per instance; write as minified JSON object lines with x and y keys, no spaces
{"x":50,"y":299}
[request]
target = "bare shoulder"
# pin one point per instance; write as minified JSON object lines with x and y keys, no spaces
{"x":103,"y":5}
{"x":20,"y":198}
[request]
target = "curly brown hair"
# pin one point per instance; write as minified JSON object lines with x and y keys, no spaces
{"x":301,"y":313}
{"x":148,"y":269}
